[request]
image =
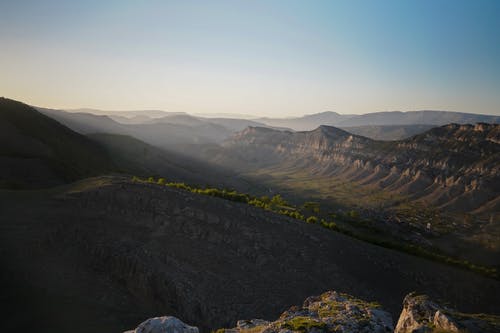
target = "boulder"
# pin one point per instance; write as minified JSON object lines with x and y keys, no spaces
{"x":420,"y":315}
{"x":166,"y":324}
{"x":329,"y":312}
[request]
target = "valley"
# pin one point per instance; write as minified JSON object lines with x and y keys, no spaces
{"x":400,"y":184}
{"x":136,"y":229}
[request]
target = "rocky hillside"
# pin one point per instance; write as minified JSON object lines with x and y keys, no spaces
{"x":124,"y":251}
{"x":342,"y":313}
{"x":454,"y":167}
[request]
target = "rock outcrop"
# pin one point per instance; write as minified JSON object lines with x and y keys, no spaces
{"x":329,"y":312}
{"x":420,"y":315}
{"x":341,"y":313}
{"x":166,"y":324}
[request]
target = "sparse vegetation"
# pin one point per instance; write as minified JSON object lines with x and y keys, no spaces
{"x":220,"y":330}
{"x":303,"y":324}
{"x":279,"y":205}
{"x":311,"y":206}
{"x":312,"y":219}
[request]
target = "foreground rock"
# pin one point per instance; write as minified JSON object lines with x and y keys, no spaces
{"x":167,"y":324}
{"x":330,"y":312}
{"x":341,"y":313}
{"x":420,"y":314}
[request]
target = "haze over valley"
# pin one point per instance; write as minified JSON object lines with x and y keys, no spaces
{"x":250,"y":167}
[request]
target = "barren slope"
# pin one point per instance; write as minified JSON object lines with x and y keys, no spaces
{"x":106,"y":253}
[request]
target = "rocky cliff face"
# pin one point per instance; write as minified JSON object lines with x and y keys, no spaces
{"x":333,"y":312}
{"x":454,"y":167}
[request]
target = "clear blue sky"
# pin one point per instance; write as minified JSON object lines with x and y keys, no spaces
{"x":277,"y":58}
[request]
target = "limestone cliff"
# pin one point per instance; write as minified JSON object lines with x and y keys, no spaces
{"x":454,"y":167}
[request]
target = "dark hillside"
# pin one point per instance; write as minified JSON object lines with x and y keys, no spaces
{"x":37,"y":151}
{"x":125,"y":251}
{"x":141,"y":159}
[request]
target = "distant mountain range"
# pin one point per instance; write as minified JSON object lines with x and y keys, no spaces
{"x":425,"y":117}
{"x":170,"y":131}
{"x":392,"y":125}
{"x":126,"y":113}
{"x":390,"y":118}
{"x":307,"y":122}
{"x":37,"y":151}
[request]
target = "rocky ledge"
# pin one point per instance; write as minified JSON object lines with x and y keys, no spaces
{"x":342,"y":313}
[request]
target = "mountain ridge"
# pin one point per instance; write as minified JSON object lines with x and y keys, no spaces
{"x":37,"y":151}
{"x":452,"y":146}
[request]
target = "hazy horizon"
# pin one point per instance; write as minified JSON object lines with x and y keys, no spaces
{"x":264,"y":58}
{"x":238,"y":115}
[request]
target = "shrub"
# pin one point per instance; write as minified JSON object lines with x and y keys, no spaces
{"x":277,"y":200}
{"x":265,"y":199}
{"x":353,"y":214}
{"x":311,"y":206}
{"x":312,"y":219}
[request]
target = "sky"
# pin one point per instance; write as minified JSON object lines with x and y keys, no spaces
{"x":266,"y":58}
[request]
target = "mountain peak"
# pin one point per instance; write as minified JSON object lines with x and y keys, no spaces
{"x":331,"y":131}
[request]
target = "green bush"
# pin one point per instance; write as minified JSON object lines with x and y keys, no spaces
{"x":312,"y":219}
{"x":277,"y":200}
{"x":265,"y":199}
